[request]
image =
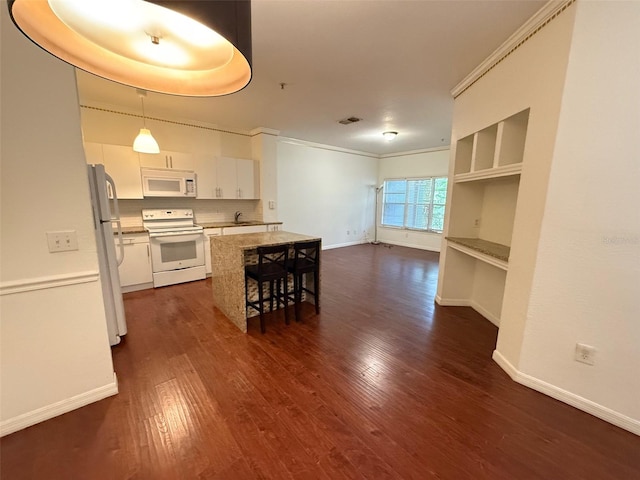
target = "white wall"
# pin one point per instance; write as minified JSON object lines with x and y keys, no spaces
{"x":55,"y":352}
{"x":326,"y":192}
{"x":431,"y":163}
{"x":587,"y":277}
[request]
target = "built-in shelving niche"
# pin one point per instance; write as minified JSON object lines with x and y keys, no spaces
{"x":484,"y":195}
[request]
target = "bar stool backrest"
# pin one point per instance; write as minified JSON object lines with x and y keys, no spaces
{"x":272,"y":260}
{"x":305,"y":257}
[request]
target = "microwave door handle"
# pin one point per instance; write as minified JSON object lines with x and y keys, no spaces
{"x":116,"y":219}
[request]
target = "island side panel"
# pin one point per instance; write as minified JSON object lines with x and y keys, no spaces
{"x":227,"y":280}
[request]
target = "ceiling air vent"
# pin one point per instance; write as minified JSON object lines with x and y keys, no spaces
{"x":347,"y":121}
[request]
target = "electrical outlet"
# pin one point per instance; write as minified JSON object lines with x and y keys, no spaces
{"x":62,"y":241}
{"x":348,"y":232}
{"x":272,"y":204}
{"x":585,"y":353}
{"x":476,"y":223}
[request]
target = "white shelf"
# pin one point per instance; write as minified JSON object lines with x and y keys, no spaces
{"x":490,"y":259}
{"x":489,"y":173}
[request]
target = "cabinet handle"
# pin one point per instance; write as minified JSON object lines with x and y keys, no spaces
{"x":148,"y":252}
{"x":171,"y":160}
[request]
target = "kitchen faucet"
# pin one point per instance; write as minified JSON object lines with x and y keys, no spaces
{"x":237,"y":217}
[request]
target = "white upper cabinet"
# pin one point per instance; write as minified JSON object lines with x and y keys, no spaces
{"x":246,"y":178}
{"x":168,"y":159}
{"x":121,"y":163}
{"x":226,"y":178}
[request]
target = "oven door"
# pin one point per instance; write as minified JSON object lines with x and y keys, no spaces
{"x":176,"y":251}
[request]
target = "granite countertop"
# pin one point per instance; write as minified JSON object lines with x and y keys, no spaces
{"x":495,"y":250}
{"x":130,"y":230}
{"x":248,"y":241}
{"x":141,"y":229}
{"x":231,"y":223}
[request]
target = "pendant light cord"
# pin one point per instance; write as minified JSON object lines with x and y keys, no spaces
{"x":144,"y":119}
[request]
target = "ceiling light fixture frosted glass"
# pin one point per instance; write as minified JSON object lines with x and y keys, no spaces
{"x":388,"y":136}
{"x":191,"y":48}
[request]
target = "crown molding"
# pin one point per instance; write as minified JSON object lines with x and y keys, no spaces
{"x":541,"y":18}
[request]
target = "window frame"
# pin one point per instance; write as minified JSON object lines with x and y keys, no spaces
{"x":430,"y":204}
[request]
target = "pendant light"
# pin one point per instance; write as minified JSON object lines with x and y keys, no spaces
{"x":144,"y":142}
{"x":180,"y":47}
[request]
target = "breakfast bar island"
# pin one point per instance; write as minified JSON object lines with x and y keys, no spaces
{"x":229,"y":255}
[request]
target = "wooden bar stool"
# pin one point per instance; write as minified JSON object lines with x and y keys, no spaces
{"x":306,"y":259}
{"x":272,"y":269}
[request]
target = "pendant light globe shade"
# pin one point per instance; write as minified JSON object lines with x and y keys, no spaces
{"x":187,"y":47}
{"x":145,"y":143}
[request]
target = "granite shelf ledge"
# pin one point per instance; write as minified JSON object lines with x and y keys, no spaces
{"x":492,"y":253}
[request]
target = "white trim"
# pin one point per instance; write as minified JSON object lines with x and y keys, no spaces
{"x":50,"y":281}
{"x":567,"y":397}
{"x":266,"y":131}
{"x":322,"y":146}
{"x":416,"y":152}
{"x":50,"y":411}
{"x":485,"y":313}
{"x":453,"y":302}
{"x":340,"y":245}
{"x":489,"y":173}
{"x":412,"y":245}
{"x":463,"y":302}
{"x":537,"y":21}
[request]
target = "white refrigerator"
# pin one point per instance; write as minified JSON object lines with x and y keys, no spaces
{"x":106,"y":215}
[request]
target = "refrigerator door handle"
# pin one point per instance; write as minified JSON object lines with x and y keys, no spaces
{"x":116,"y":219}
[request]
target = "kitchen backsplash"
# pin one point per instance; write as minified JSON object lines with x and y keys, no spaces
{"x":205,"y":211}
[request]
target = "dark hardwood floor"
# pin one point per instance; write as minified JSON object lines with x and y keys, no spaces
{"x":383,"y":384}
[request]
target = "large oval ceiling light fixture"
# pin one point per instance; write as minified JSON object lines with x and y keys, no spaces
{"x":181,"y":47}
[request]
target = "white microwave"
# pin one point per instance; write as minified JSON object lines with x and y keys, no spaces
{"x":168,"y":183}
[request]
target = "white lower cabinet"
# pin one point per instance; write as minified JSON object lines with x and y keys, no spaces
{"x":244,"y":229}
{"x":209,"y":232}
{"x":135,"y":270}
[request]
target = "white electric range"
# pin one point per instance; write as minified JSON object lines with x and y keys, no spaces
{"x":177,"y":246}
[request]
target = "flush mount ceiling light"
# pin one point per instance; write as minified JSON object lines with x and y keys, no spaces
{"x":388,"y":136}
{"x":144,"y":142}
{"x":180,"y":47}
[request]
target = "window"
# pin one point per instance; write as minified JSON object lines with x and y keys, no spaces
{"x":414,"y":203}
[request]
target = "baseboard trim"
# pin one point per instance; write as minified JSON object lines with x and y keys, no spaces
{"x":55,"y":409}
{"x":340,"y":245}
{"x":412,"y":245}
{"x":462,"y":302}
{"x":485,"y":313}
{"x":567,"y":397}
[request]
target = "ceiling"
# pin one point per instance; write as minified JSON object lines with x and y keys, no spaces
{"x":390,"y":62}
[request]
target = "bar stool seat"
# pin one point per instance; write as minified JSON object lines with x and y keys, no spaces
{"x":306,"y":260}
{"x":272,"y":269}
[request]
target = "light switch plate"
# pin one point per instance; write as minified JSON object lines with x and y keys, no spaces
{"x":62,"y":241}
{"x":272,"y":204}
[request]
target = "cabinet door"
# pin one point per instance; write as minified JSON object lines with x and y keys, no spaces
{"x":179,"y":160}
{"x":205,"y":168}
{"x":124,"y":167}
{"x":135,"y":269}
{"x":167,"y":159}
{"x":227,"y":177}
{"x":246,"y":178}
{"x":244,"y":229}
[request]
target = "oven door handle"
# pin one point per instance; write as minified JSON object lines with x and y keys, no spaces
{"x":175,"y":237}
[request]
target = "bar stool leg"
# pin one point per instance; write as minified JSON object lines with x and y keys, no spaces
{"x":261,"y":305}
{"x":316,"y":290}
